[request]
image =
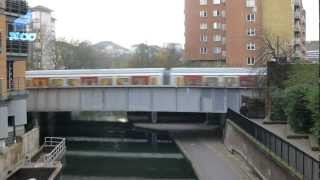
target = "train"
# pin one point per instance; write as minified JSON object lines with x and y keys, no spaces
{"x":204,"y":77}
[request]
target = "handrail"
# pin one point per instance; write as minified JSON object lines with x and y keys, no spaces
{"x":293,"y":156}
{"x":59,"y":145}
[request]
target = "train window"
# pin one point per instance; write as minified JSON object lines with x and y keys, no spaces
{"x":232,"y":82}
{"x":140,"y":80}
{"x":57,"y":83}
{"x":155,"y":81}
{"x":89,"y":81}
{"x":106,"y":82}
{"x":212,"y":81}
{"x":73,"y":82}
{"x":193,"y":80}
{"x":40,"y":82}
{"x":179,"y":81}
{"x":122,"y":81}
{"x":248,"y":81}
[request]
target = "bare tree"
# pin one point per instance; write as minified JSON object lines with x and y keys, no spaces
{"x":273,"y":51}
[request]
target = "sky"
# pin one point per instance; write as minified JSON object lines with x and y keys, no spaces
{"x":129,"y":22}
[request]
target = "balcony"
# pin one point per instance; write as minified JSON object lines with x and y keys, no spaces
{"x":297,"y":15}
{"x":297,"y":41}
{"x":17,"y":48}
{"x":297,"y":3}
{"x":19,"y":7}
{"x":17,"y":86}
{"x":297,"y":27}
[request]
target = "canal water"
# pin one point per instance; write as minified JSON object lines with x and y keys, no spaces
{"x":98,"y":150}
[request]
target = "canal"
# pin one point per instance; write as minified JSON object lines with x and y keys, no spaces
{"x":115,"y":150}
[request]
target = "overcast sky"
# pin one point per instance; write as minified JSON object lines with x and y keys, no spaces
{"x":128,"y":22}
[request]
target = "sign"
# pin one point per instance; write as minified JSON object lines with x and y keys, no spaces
{"x":18,"y":36}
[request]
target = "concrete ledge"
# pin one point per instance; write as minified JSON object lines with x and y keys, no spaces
{"x":286,"y":171}
{"x":293,"y":135}
{"x":314,"y":143}
{"x":274,"y":122}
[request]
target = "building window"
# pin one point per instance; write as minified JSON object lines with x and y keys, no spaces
{"x":203,"y":2}
{"x":10,"y":79}
{"x":216,"y":1}
{"x":203,"y":50}
{"x":251,"y":61}
{"x":216,"y":13}
{"x":251,"y":32}
{"x":251,"y":46}
{"x":217,"y":38}
{"x":204,"y":26}
{"x":11,"y":121}
{"x":216,"y":25}
{"x":204,"y":38}
{"x":203,"y":14}
{"x":217,"y":50}
{"x":251,"y":17}
{"x":251,"y":3}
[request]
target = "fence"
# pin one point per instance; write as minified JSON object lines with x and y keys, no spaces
{"x":299,"y":161}
{"x":58,"y":146}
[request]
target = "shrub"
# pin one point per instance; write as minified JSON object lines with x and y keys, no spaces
{"x":299,"y":115}
{"x":314,"y":106}
{"x":278,"y":105}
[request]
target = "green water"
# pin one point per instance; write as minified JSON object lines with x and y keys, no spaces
{"x":102,"y":151}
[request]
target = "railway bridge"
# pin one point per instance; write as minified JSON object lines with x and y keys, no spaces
{"x":194,"y":90}
{"x":137,"y":99}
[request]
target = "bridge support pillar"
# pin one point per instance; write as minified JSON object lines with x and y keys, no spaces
{"x":154,"y":117}
{"x":51,"y":124}
{"x":35,"y":120}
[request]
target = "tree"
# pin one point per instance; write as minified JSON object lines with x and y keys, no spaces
{"x":299,"y":116}
{"x":273,"y":52}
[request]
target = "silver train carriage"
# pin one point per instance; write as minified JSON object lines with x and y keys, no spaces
{"x":211,"y":77}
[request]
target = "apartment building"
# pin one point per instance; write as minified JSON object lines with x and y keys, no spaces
{"x":233,"y":33}
{"x":42,"y":51}
{"x":13,"y":55}
{"x":299,"y":29}
{"x":313,"y":51}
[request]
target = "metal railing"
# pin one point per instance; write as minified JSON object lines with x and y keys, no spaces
{"x":17,"y":6}
{"x":18,"y":47}
{"x":17,"y":86}
{"x":295,"y":158}
{"x":58,"y":146}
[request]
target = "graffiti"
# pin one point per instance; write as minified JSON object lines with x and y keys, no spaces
{"x":17,"y":36}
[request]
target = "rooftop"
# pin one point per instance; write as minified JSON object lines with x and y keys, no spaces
{"x":41,"y":8}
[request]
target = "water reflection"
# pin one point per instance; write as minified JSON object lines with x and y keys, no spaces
{"x":116,"y":151}
{"x":97,"y":160}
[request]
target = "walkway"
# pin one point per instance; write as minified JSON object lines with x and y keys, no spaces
{"x":281,"y":130}
{"x":211,"y":160}
{"x":176,"y":127}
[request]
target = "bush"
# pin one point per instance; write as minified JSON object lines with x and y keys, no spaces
{"x":299,"y":115}
{"x":278,"y":104}
{"x":314,"y":106}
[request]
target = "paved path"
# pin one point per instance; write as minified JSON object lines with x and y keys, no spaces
{"x":281,"y":131}
{"x":212,"y":161}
